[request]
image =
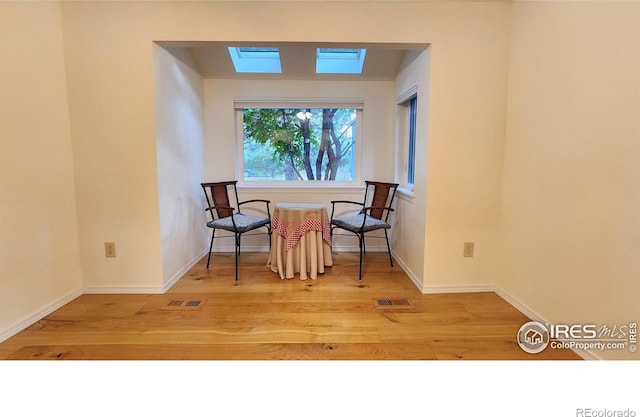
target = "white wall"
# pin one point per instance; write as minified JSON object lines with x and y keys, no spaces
{"x":39,"y":254}
{"x":408,"y":240}
{"x":571,"y":181}
{"x":180,"y":148}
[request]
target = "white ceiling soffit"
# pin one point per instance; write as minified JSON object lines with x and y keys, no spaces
{"x":298,"y":60}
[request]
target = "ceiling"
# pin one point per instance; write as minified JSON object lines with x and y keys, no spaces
{"x":298,"y":59}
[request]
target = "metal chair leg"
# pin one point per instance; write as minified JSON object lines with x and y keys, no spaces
{"x":331,"y":238}
{"x":213,"y":233}
{"x":237,"y":253}
{"x":361,"y":238}
{"x":388,"y":247}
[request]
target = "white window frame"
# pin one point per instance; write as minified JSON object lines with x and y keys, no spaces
{"x":241,"y":103}
{"x":403,"y":112}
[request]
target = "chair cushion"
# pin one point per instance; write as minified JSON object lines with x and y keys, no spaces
{"x":354,"y":223}
{"x":244,"y":223}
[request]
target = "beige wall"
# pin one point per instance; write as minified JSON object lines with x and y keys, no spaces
{"x":39,"y":253}
{"x":469,"y":61}
{"x":109,"y":61}
{"x":571,"y":182}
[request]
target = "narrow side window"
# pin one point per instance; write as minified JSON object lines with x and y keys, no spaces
{"x":411,"y":157}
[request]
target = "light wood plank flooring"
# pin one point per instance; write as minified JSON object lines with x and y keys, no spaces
{"x":262,"y":317}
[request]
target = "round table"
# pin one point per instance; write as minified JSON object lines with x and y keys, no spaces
{"x":300,"y":239}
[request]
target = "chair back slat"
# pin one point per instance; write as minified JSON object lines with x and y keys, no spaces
{"x":218,"y":194}
{"x":383,"y":194}
{"x":221,"y":198}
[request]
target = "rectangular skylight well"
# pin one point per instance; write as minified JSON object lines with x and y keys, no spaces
{"x":256,"y":59}
{"x":258,"y":52}
{"x":342,"y":53}
{"x":340,"y":60}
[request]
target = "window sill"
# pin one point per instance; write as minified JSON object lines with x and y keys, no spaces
{"x":301,"y":188}
{"x":406,"y":194}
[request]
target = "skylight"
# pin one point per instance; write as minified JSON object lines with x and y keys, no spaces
{"x":266,"y":59}
{"x":260,"y":59}
{"x":339,"y":60}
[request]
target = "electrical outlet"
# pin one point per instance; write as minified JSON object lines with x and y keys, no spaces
{"x":468,"y":249}
{"x":110,"y":249}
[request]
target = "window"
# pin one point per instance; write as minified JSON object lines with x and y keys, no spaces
{"x":255,"y":59}
{"x":406,"y":119}
{"x":411,"y":157}
{"x":299,"y":143}
{"x":339,"y":60}
{"x":266,"y":59}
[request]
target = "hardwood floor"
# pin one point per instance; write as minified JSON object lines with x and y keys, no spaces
{"x":262,"y":317}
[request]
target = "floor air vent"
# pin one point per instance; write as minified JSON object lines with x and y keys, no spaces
{"x":184,"y":305}
{"x":392,"y":303}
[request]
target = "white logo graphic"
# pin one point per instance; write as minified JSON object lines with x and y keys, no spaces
{"x":533,"y":337}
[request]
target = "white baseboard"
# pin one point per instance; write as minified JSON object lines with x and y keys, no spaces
{"x":146,"y":290}
{"x":453,"y":289}
{"x":534,"y":316}
{"x":183,"y":270}
{"x":335,"y":248}
{"x":342,"y":248}
{"x":122,"y":290}
{"x":437,"y":289}
{"x":408,"y":271}
{"x":39,"y":315}
{"x":243,"y":248}
{"x":531,"y":314}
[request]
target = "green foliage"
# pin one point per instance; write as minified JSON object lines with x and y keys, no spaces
{"x":272,"y":136}
{"x":278,"y":127}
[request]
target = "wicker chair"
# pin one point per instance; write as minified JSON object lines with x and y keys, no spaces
{"x":224,"y":218}
{"x":373,"y":215}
